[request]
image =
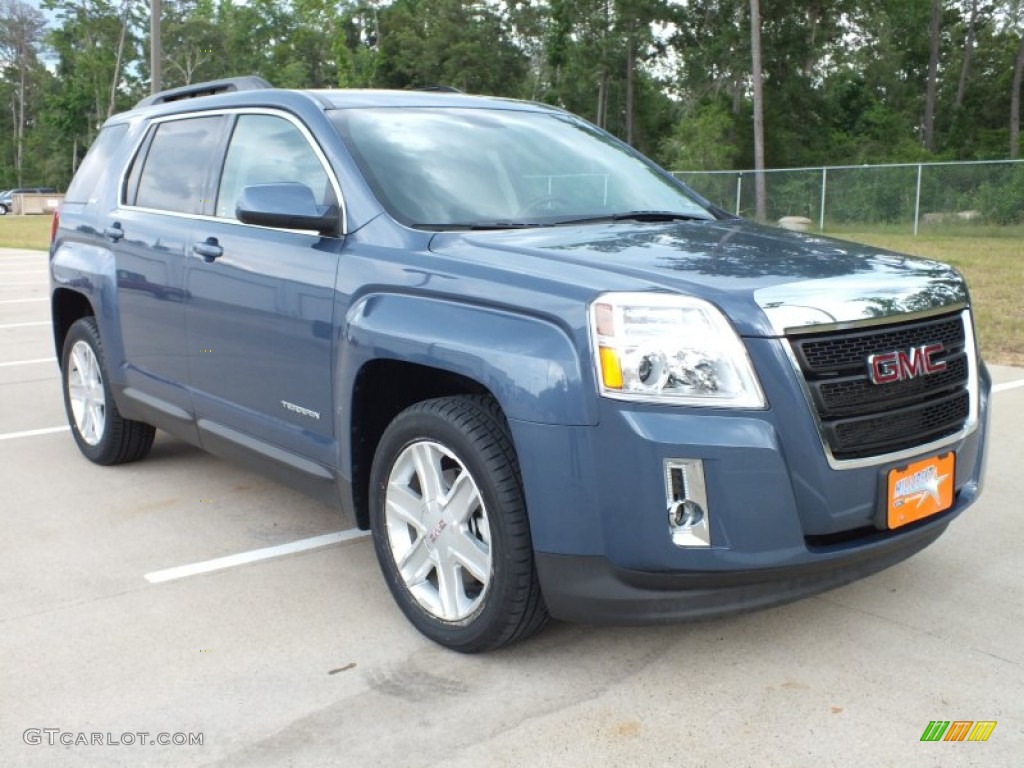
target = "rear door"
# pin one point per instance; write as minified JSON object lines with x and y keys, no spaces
{"x":162,"y":198}
{"x":259,"y":305}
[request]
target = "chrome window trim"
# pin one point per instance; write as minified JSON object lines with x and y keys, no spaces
{"x":149,"y":123}
{"x":970,"y":348}
{"x":218,"y":220}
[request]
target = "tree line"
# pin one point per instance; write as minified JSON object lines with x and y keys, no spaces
{"x":829,"y":81}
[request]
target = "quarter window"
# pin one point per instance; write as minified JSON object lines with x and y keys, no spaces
{"x":99,"y":158}
{"x":176,"y":167}
{"x":266,"y":149}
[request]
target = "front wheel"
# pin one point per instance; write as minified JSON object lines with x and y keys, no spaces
{"x":100,"y":431}
{"x":450,"y":526}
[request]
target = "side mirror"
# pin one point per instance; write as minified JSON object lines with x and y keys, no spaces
{"x":286,"y":205}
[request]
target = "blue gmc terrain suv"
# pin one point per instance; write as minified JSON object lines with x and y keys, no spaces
{"x":548,"y":377}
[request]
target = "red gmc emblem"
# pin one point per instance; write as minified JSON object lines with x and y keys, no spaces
{"x":890,"y":367}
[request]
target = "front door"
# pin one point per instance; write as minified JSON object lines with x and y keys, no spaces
{"x":259,"y":305}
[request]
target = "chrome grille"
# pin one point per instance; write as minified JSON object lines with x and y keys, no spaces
{"x":849,"y":349}
{"x":861,"y":419}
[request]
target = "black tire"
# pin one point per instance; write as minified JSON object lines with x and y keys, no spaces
{"x":110,"y":439}
{"x":467,"y":434}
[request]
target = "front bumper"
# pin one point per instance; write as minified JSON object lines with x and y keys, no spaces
{"x":784,"y":524}
{"x":591,"y":590}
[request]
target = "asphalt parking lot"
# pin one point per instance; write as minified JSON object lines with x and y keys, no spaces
{"x":114,"y":621}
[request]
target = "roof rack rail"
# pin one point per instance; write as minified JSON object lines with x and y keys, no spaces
{"x":226,"y":85}
{"x":438,"y":88}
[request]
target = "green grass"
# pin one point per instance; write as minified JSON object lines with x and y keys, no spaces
{"x":992,"y":259}
{"x":959,"y":231}
{"x":25,"y":232}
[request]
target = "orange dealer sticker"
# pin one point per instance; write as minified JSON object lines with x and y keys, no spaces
{"x":924,"y":488}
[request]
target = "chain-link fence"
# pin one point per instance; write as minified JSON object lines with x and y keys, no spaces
{"x":918,"y":195}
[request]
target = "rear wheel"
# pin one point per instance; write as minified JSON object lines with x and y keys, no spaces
{"x":100,"y":431}
{"x":450,"y":525}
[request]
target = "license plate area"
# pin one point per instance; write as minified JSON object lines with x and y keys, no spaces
{"x":920,"y":489}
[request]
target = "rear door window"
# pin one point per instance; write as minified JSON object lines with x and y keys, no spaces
{"x":174,"y":174}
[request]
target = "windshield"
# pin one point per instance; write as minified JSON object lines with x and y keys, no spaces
{"x":484,"y":168}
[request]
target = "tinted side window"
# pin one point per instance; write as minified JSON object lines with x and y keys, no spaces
{"x":264,"y":150}
{"x":180,"y":155}
{"x":97,"y":160}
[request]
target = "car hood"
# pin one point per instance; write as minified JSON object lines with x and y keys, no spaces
{"x":766,"y":280}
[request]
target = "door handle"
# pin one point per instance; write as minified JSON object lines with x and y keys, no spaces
{"x":114,"y":232}
{"x":209,"y":249}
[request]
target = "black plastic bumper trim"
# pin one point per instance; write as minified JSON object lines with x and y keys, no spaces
{"x":591,"y":590}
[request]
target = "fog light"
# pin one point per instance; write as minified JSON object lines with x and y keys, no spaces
{"x":685,"y":493}
{"x":685,"y":514}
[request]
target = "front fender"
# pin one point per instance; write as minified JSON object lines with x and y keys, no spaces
{"x":529,"y":364}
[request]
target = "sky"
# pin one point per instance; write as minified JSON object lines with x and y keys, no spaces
{"x":37,"y":4}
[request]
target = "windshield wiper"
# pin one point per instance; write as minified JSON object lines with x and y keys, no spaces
{"x":481,"y":225}
{"x":645,"y":216}
{"x":654,"y":216}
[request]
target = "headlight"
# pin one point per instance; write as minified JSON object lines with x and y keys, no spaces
{"x":670,"y":349}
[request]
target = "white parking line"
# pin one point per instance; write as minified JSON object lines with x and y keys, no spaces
{"x":1007,"y":385}
{"x":29,"y":362}
{"x":15,"y":285}
{"x":22,"y":301}
{"x":25,"y":325}
{"x":34,"y":432}
{"x":182,"y":571}
{"x":37,"y":271}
